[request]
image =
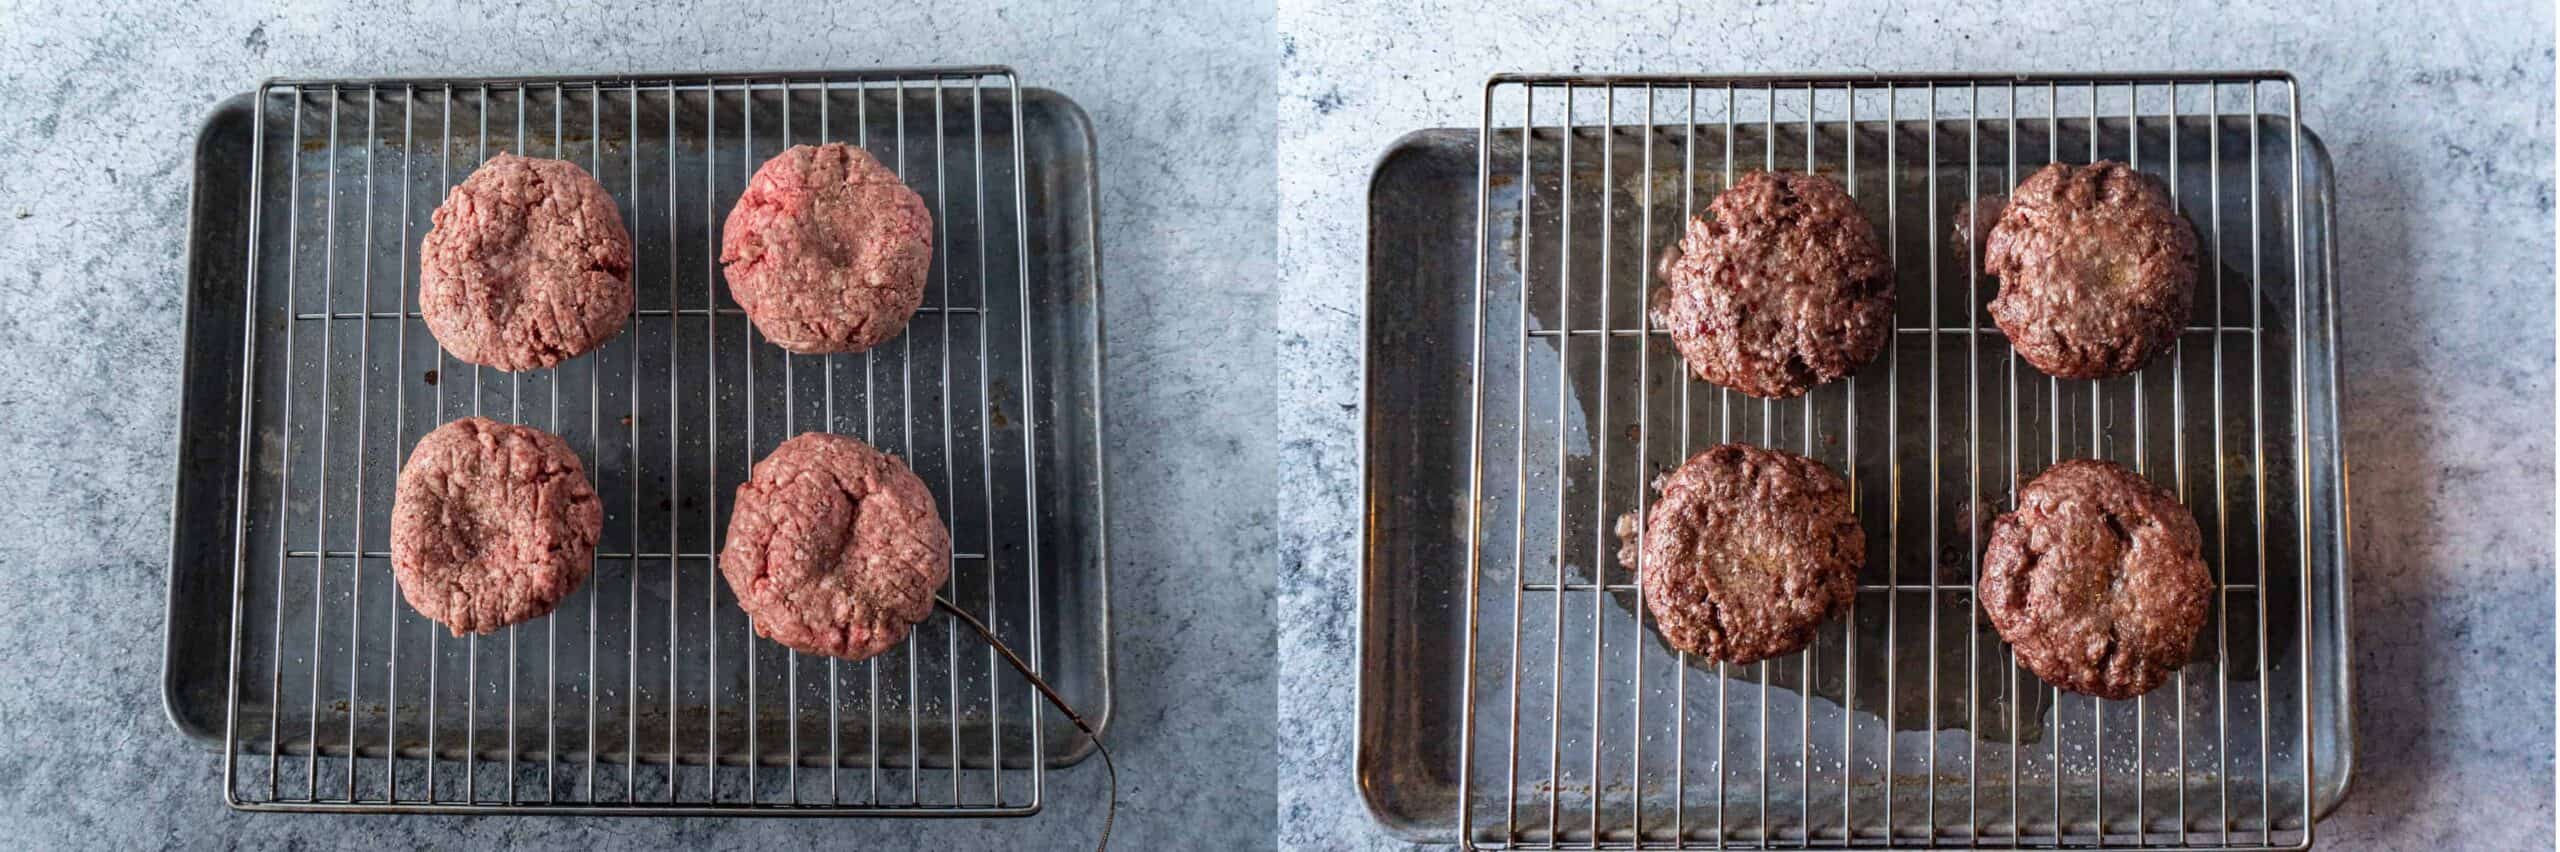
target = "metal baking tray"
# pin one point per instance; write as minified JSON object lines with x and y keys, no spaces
{"x":1516,"y":400}
{"x":308,"y":375}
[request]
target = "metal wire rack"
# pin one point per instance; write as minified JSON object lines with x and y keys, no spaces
{"x":646,"y":693}
{"x":1906,"y":723}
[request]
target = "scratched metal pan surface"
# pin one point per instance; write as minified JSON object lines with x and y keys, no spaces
{"x":1543,"y":394}
{"x":645,"y":692}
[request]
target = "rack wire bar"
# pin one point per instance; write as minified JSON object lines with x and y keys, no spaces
{"x":646,"y":692}
{"x":1910,"y":723}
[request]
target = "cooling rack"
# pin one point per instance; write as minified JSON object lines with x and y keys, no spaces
{"x":1518,"y":401}
{"x":309,"y":374}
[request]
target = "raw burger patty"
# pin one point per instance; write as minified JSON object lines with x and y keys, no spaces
{"x":492,"y":525}
{"x":527,"y":265}
{"x":835,"y":548}
{"x":827,"y":251}
{"x":1780,"y":287}
{"x":2097,"y":270}
{"x":2096,"y":580}
{"x":1745,"y":553}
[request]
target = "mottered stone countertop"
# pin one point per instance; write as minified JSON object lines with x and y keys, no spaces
{"x":2442,"y":137}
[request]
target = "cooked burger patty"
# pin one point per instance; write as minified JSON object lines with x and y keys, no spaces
{"x":1745,"y":553}
{"x":1780,"y":287}
{"x":2097,"y":270}
{"x":2096,"y":580}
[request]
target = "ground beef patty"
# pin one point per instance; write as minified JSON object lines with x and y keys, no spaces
{"x":492,"y":525}
{"x":1746,"y":552}
{"x":2096,"y":580}
{"x":527,"y":266}
{"x":2097,"y":270}
{"x":1780,"y":287}
{"x":835,"y":548}
{"x":827,"y":251}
